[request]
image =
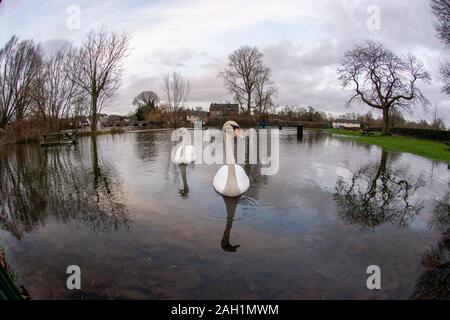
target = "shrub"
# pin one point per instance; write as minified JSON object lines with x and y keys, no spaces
{"x":116,"y":131}
{"x":23,"y":131}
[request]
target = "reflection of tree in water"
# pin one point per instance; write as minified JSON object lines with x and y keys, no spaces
{"x":37,"y":184}
{"x":376,"y":195}
{"x":145,"y":147}
{"x":434,"y":283}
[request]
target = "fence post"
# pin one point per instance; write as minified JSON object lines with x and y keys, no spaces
{"x":299,"y":131}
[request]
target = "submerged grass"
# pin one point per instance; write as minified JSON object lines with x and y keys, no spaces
{"x":426,"y":148}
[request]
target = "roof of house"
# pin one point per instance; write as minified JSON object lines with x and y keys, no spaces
{"x":222,"y":106}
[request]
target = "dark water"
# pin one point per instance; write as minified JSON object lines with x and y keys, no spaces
{"x":141,"y":227}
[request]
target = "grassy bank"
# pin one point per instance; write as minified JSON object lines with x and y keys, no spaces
{"x":429,"y":149}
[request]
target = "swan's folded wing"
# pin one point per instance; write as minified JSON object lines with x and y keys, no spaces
{"x":242,"y":179}
{"x":220,"y":179}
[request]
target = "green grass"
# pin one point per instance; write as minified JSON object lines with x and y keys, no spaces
{"x":426,"y":148}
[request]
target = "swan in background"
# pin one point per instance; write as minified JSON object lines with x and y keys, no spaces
{"x":231,"y":180}
{"x":185,"y":153}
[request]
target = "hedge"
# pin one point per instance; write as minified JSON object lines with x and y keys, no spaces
{"x":247,"y":122}
{"x":428,"y":134}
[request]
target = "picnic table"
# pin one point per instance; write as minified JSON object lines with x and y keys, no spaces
{"x":367,"y":132}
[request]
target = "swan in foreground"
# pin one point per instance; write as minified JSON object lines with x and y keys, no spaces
{"x":185,"y":153}
{"x":231,"y":180}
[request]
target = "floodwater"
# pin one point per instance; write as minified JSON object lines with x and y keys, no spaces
{"x":141,"y":227}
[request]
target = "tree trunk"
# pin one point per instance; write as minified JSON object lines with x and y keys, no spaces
{"x":249,"y":96}
{"x":94,"y":114}
{"x":387,"y":123}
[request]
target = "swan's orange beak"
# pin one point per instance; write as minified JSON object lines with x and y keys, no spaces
{"x":237,"y":133}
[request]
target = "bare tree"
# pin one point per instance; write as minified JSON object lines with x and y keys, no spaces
{"x":382,"y":79}
{"x":441,"y":9}
{"x":445,"y":74}
{"x":96,"y":67}
{"x":55,"y":92}
{"x":265,"y":91}
{"x":176,"y":90}
{"x":241,"y":76}
{"x":437,"y":123}
{"x":20,"y":63}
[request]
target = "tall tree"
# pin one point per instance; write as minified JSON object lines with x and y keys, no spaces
{"x":265,"y":91}
{"x":20,"y":63}
{"x":55,"y":93}
{"x":383,"y":80}
{"x":244,"y":68}
{"x":145,"y":102}
{"x":96,"y":67}
{"x":176,"y":90}
{"x":441,"y":9}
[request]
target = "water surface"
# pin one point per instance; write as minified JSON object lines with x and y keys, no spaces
{"x":141,"y":227}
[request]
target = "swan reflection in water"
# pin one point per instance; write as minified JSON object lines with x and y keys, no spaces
{"x":230,"y":204}
{"x":184,"y":192}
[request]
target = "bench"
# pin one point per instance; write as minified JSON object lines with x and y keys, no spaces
{"x":58,"y":138}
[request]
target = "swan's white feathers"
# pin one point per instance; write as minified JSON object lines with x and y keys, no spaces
{"x":242,"y":179}
{"x":187,"y":157}
{"x":220,"y":179}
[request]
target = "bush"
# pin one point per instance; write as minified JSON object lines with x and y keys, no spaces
{"x":116,"y":131}
{"x":23,"y":131}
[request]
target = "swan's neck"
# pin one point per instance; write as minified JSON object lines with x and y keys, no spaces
{"x":186,"y":140}
{"x":229,"y":149}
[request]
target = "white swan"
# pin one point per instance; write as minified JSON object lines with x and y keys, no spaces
{"x":231,"y":180}
{"x":185,"y":152}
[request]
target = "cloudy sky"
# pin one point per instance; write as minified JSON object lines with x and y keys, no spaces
{"x":302,"y":41}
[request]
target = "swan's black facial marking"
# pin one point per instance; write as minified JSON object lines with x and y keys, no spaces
{"x":236,"y":129}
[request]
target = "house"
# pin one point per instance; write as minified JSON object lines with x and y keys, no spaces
{"x":346,"y":124}
{"x":85,"y":123}
{"x":196,"y":115}
{"x":224,"y":109}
